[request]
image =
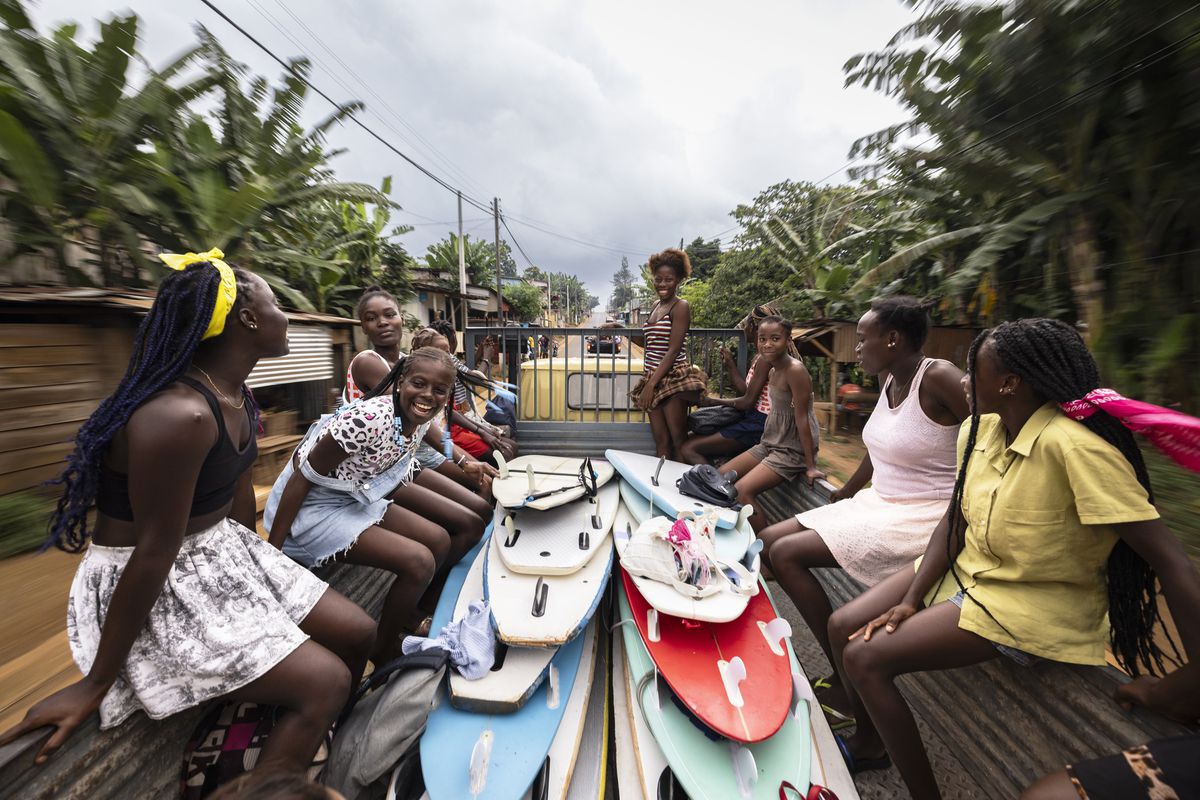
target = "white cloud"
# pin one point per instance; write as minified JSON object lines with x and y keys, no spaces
{"x":623,"y":123}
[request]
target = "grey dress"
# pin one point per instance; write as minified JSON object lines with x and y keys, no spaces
{"x":780,"y":447}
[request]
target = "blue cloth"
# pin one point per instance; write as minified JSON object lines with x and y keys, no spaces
{"x":469,"y":642}
{"x":748,"y":430}
{"x":328,"y":523}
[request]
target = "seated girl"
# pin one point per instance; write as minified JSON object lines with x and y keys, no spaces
{"x":1051,"y":548}
{"x":333,"y":499}
{"x":872,"y":532}
{"x":468,"y":430}
{"x":739,"y":436}
{"x":177,"y":601}
{"x":789,"y":442}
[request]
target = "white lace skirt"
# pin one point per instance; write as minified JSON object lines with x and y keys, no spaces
{"x":229,"y":611}
{"x":870,"y":536}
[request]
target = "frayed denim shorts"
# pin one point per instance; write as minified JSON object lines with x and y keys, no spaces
{"x":328,"y":523}
{"x":1011,"y":653}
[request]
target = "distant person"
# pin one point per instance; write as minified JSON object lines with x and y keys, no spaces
{"x":790,"y":436}
{"x":739,"y":436}
{"x":910,"y":461}
{"x":177,"y":600}
{"x":1051,"y":548}
{"x":670,"y":384}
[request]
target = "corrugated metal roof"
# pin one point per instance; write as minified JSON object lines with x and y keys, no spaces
{"x":310,"y":359}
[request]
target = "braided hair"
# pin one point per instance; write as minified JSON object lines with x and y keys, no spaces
{"x":1052,"y":358}
{"x":163,"y":348}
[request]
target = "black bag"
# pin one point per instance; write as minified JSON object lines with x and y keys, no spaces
{"x":704,"y":421}
{"x":706,"y":484}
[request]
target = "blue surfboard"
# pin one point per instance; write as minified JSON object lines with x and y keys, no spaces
{"x":654,"y":478}
{"x":731,"y":543}
{"x":502,"y":752}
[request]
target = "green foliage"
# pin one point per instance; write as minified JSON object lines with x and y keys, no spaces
{"x":23,"y":518}
{"x":525,"y":300}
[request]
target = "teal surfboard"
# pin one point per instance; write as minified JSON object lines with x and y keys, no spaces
{"x":731,"y":543}
{"x":707,"y":769}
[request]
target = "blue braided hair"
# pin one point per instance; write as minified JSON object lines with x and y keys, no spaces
{"x":163,"y":348}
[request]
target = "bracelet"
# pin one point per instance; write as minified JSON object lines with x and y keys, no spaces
{"x":461,"y":459}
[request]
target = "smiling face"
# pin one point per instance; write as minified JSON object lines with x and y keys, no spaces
{"x":666,"y":282}
{"x":424,"y":389}
{"x":382,"y":321}
{"x":772,"y":341}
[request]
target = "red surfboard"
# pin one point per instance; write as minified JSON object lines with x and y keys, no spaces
{"x":734,"y":676}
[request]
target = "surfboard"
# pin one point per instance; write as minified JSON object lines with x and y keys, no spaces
{"x":494,"y":756}
{"x":734,"y":676}
{"x":539,"y":611}
{"x":576,"y":764}
{"x":708,"y":769}
{"x":721,"y":607}
{"x":551,"y":481}
{"x":641,"y":766}
{"x":731,"y":543}
{"x":655,"y":479}
{"x":517,"y":672}
{"x":558,"y":541}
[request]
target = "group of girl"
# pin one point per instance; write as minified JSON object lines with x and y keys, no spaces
{"x":1009,"y":515}
{"x":996,"y":525}
{"x":177,"y":600}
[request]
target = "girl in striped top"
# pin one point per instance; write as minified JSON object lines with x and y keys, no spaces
{"x":670,"y":384}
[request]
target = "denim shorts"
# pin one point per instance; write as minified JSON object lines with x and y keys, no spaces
{"x":1011,"y":653}
{"x":748,"y":430}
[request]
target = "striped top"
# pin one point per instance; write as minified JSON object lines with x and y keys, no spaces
{"x":658,"y":341}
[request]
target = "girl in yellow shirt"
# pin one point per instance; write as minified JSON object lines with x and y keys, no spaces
{"x":1050,"y":529}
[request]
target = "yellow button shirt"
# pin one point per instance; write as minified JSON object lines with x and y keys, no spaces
{"x":1039,"y":514}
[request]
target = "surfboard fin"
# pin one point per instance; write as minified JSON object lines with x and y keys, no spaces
{"x":732,"y":674}
{"x":802,"y":692}
{"x":510,"y":526}
{"x":540,"y":591}
{"x":744,"y":514}
{"x":532,"y":480}
{"x":552,"y":687}
{"x":652,"y":633}
{"x":585,"y":541}
{"x":481,"y":756}
{"x":658,"y":469}
{"x":745,"y":770}
{"x":501,"y":463}
{"x":775,"y":632}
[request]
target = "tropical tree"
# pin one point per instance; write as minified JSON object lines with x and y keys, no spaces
{"x":525,"y":300}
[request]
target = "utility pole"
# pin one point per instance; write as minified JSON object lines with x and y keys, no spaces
{"x":499,"y":283}
{"x":462,"y":267}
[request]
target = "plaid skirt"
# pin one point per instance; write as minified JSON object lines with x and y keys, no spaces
{"x":681,"y":378}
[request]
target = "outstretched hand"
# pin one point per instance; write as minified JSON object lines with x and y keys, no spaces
{"x":889,"y":620}
{"x":65,"y":710}
{"x":812,"y":474}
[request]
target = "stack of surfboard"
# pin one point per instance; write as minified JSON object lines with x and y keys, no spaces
{"x":708,"y":695}
{"x":535,"y":726}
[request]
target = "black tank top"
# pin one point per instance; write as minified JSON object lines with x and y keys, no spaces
{"x":219,"y":473}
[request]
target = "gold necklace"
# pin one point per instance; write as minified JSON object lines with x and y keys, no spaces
{"x":237,"y":406}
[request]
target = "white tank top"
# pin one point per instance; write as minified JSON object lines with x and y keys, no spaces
{"x":913,"y":457}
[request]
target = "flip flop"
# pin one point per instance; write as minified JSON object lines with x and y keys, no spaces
{"x":837,"y":720}
{"x":857,"y":765}
{"x":822,"y":683}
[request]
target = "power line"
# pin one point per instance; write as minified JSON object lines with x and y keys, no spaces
{"x":512,"y":236}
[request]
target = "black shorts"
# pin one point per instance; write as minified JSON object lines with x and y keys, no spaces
{"x":748,"y":430}
{"x":1149,"y":770}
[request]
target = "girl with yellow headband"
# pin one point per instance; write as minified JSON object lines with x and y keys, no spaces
{"x":177,"y":601}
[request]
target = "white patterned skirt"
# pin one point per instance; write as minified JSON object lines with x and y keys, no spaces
{"x":229,"y":611}
{"x":871,"y":536}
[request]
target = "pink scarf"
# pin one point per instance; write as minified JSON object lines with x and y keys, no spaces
{"x":1172,"y":432}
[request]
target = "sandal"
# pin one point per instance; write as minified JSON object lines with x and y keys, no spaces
{"x":822,"y":683}
{"x":837,"y":720}
{"x":420,"y":629}
{"x":857,"y":765}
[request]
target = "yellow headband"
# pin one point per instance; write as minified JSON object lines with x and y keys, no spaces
{"x":226,"y":292}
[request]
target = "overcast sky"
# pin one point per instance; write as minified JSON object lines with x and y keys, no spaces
{"x":625,"y":124}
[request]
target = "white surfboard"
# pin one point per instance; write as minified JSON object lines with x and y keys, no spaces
{"x":558,"y":541}
{"x":544,"y":482}
{"x":720,"y":607}
{"x":641,"y":765}
{"x":543,"y":610}
{"x":566,"y":751}
{"x":731,"y":543}
{"x":655,"y":479}
{"x":518,"y":671}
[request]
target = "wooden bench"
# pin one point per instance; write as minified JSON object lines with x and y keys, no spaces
{"x":142,"y":757}
{"x":1004,"y":724}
